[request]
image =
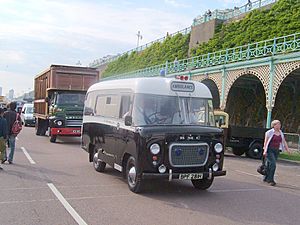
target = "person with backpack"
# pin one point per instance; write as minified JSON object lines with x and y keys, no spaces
{"x":3,"y":135}
{"x":14,"y":124}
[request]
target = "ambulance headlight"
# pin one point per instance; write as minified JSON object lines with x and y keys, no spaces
{"x":218,"y":148}
{"x":154,"y":149}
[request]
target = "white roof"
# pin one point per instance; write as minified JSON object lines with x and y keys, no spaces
{"x":153,"y":85}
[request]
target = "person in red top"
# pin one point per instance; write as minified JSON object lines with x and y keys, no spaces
{"x":274,"y":142}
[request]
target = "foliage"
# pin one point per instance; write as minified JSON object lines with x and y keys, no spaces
{"x":295,"y":156}
{"x":282,"y":19}
{"x":158,"y":53}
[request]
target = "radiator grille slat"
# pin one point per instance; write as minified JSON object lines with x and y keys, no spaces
{"x":185,"y":155}
{"x":73,"y":123}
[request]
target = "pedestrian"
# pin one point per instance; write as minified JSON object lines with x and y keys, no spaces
{"x":274,"y":142}
{"x":11,"y":117}
{"x":3,"y":136}
{"x":209,"y":14}
{"x":249,"y":4}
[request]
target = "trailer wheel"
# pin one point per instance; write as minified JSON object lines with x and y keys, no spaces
{"x":202,"y":184}
{"x":53,"y":138}
{"x":238,"y":151}
{"x":255,"y":151}
{"x":134,"y":179}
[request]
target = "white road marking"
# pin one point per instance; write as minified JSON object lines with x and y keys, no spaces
{"x":28,"y":156}
{"x":101,"y":196}
{"x":27,"y":201}
{"x":241,"y":190}
{"x":250,"y":174}
{"x":16,"y":189}
{"x":67,"y":206}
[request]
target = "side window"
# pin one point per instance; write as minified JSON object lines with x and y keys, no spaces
{"x":125,"y":106}
{"x":107,"y":105}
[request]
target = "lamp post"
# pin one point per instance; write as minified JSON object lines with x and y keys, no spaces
{"x":139,"y":36}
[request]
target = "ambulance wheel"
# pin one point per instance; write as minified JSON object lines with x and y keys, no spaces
{"x":99,"y":165}
{"x":202,"y":184}
{"x":134,"y":179}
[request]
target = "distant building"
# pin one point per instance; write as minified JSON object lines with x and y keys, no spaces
{"x":11,"y":94}
{"x":0,"y":91}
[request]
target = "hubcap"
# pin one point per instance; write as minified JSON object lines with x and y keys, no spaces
{"x":256,"y":151}
{"x":96,"y":163}
{"x":132,"y":176}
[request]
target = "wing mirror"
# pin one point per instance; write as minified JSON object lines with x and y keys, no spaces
{"x":128,"y":120}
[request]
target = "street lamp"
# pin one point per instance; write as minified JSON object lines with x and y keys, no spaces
{"x":139,"y":36}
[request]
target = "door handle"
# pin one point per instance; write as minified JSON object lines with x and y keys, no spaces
{"x":125,"y":139}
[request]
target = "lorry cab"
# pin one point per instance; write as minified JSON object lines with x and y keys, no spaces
{"x":222,"y":119}
{"x":151,"y":128}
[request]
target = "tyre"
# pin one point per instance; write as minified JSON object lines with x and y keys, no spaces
{"x":238,"y":151}
{"x":99,"y":165}
{"x":134,"y":179}
{"x":38,"y":127}
{"x":202,"y":184}
{"x":53,"y":138}
{"x":255,"y":151}
{"x":41,"y":127}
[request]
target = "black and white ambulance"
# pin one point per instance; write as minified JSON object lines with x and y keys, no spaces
{"x":151,"y":128}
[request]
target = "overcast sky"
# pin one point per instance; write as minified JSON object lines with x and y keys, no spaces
{"x":35,"y":34}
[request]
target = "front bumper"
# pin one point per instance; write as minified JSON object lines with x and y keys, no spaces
{"x":29,"y":121}
{"x":66,"y":131}
{"x":172,"y":176}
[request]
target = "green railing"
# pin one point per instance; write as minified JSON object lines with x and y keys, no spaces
{"x":100,"y":62}
{"x":232,"y":13}
{"x":272,"y":47}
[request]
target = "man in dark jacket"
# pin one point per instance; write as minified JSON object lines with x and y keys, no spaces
{"x":11,"y":115}
{"x":3,"y":135}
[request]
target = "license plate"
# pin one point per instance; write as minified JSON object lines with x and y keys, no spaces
{"x":76,"y":131}
{"x":190,"y":176}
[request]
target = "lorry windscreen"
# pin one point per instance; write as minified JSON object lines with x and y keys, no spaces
{"x":70,"y":99}
{"x":172,"y":110}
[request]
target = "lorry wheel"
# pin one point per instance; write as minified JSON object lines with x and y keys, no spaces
{"x":37,"y":127}
{"x":53,"y":138}
{"x":202,"y":184}
{"x":238,"y":151}
{"x":134,"y":180}
{"x":255,"y":151}
{"x":99,"y":165}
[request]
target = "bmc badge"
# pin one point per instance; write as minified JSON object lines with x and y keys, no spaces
{"x":182,"y":86}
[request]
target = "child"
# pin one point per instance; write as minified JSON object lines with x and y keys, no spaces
{"x":3,"y":136}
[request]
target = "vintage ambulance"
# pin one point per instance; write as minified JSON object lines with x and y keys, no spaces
{"x":152,"y":128}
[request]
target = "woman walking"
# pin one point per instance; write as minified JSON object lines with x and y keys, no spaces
{"x":274,"y":142}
